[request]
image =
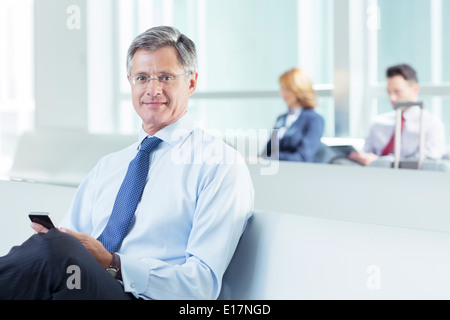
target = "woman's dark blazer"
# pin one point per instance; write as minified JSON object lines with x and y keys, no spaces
{"x":301,"y":141}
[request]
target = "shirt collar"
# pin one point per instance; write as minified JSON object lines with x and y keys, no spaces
{"x":411,"y":112}
{"x":295,"y":111}
{"x":174,"y":132}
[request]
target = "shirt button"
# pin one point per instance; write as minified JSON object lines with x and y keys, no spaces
{"x":132,"y":285}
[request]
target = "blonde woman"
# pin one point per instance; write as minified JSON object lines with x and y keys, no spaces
{"x":300,"y":129}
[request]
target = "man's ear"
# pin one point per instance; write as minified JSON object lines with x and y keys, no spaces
{"x":416,"y":88}
{"x":193,"y":83}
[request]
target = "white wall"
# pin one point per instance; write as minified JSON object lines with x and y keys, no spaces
{"x":60,"y":64}
{"x":405,"y":198}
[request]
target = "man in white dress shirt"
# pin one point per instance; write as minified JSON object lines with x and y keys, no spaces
{"x":194,"y":207}
{"x":402,"y":86}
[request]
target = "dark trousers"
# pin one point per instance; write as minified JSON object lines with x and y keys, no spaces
{"x":55,"y":266}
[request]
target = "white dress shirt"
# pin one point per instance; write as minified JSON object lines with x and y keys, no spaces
{"x":291,"y":117}
{"x":193,"y":211}
{"x":383,"y":128}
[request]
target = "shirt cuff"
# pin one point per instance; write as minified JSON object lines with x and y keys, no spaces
{"x":135,"y":274}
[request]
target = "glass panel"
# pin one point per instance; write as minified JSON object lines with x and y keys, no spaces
{"x":232,"y":114}
{"x":16,"y":76}
{"x":445,"y":116}
{"x":445,"y":42}
{"x":239,"y":58}
{"x":326,"y":109}
{"x":404,"y":36}
{"x":129,"y":121}
{"x":245,"y":124}
{"x":240,"y":115}
{"x":261,"y":43}
{"x":258,"y":44}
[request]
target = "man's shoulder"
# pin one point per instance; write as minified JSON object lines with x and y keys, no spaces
{"x":312,"y":115}
{"x":434,"y":119}
{"x":384,"y":119}
{"x":211,"y":148}
{"x":118,"y":157}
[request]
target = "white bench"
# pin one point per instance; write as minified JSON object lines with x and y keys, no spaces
{"x":19,"y":198}
{"x":287,"y":256}
{"x":318,"y":232}
{"x":63,"y":157}
{"x":331,"y":232}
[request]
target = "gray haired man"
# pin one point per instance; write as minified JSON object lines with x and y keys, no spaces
{"x":146,"y":223}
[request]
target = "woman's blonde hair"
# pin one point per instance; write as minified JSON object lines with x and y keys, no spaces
{"x":297,"y":81}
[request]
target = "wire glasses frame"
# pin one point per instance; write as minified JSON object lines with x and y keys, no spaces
{"x":164,"y":80}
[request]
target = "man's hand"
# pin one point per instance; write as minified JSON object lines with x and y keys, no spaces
{"x":94,"y":246}
{"x":363,"y":158}
{"x":38,"y":228}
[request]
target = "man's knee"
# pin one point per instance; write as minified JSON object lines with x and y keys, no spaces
{"x":38,"y":267}
{"x":62,"y":250}
{"x":55,"y":265}
{"x":49,"y":245}
{"x":60,"y":244}
{"x":50,"y":252}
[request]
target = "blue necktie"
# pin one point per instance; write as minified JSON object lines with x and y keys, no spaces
{"x":128,"y":197}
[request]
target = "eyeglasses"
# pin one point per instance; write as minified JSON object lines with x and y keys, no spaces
{"x":164,"y":80}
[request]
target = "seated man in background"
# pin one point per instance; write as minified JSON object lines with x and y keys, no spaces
{"x":402,"y":86}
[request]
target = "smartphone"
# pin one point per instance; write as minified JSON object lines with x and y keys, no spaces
{"x":43,"y":218}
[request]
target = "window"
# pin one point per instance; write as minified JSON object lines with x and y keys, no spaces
{"x":243,"y":48}
{"x":344,"y":45}
{"x":239,"y":62}
{"x":16,"y":76}
{"x":413,"y":32}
